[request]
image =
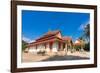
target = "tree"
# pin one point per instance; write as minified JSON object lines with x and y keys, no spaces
{"x":24,"y":45}
{"x":87,"y":32}
{"x":85,"y":38}
{"x":82,"y":41}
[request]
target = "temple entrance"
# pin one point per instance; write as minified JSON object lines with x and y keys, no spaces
{"x":64,"y":45}
{"x":51,"y":43}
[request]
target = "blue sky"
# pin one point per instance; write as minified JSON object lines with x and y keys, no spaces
{"x":37,"y":23}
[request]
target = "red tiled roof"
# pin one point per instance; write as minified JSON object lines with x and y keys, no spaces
{"x":66,"y":38}
{"x":52,"y":32}
{"x":50,"y":39}
{"x":49,"y":34}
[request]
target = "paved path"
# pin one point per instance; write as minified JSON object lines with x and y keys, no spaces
{"x":67,"y":57}
{"x":29,"y":57}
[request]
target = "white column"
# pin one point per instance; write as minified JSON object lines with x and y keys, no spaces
{"x":61,"y":46}
{"x":55,"y":47}
{"x":47,"y":47}
{"x":66,"y":48}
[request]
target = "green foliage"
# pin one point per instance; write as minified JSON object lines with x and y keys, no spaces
{"x":86,"y":34}
{"x":87,"y":47}
{"x":85,"y":38}
{"x":87,"y":31}
{"x":78,"y":47}
{"x":24,"y":45}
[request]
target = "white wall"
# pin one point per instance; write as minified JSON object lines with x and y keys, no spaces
{"x":5,"y":38}
{"x":33,"y":49}
{"x":55,"y":47}
{"x":40,"y":47}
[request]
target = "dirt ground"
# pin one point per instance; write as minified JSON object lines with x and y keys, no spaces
{"x":30,"y":57}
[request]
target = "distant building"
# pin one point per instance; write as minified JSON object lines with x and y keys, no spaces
{"x":77,"y":42}
{"x":79,"y":45}
{"x":52,"y":41}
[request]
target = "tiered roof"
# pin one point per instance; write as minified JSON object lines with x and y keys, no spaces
{"x":49,"y":37}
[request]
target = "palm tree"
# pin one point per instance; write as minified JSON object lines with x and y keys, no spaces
{"x":87,"y":32}
{"x":86,"y":37}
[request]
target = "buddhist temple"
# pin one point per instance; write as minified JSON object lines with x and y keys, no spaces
{"x":52,"y":41}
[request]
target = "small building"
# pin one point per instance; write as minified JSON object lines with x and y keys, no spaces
{"x":52,"y":41}
{"x":79,"y":44}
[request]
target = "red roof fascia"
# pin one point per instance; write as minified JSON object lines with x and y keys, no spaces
{"x":45,"y":41}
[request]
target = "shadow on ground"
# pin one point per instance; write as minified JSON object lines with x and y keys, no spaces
{"x":68,"y":57}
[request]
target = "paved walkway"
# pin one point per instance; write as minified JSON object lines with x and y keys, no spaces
{"x":29,"y":57}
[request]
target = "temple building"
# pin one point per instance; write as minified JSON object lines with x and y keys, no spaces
{"x":52,"y":41}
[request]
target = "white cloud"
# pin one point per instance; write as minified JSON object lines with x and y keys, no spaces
{"x":82,"y":26}
{"x":26,"y":39}
{"x":32,"y":41}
